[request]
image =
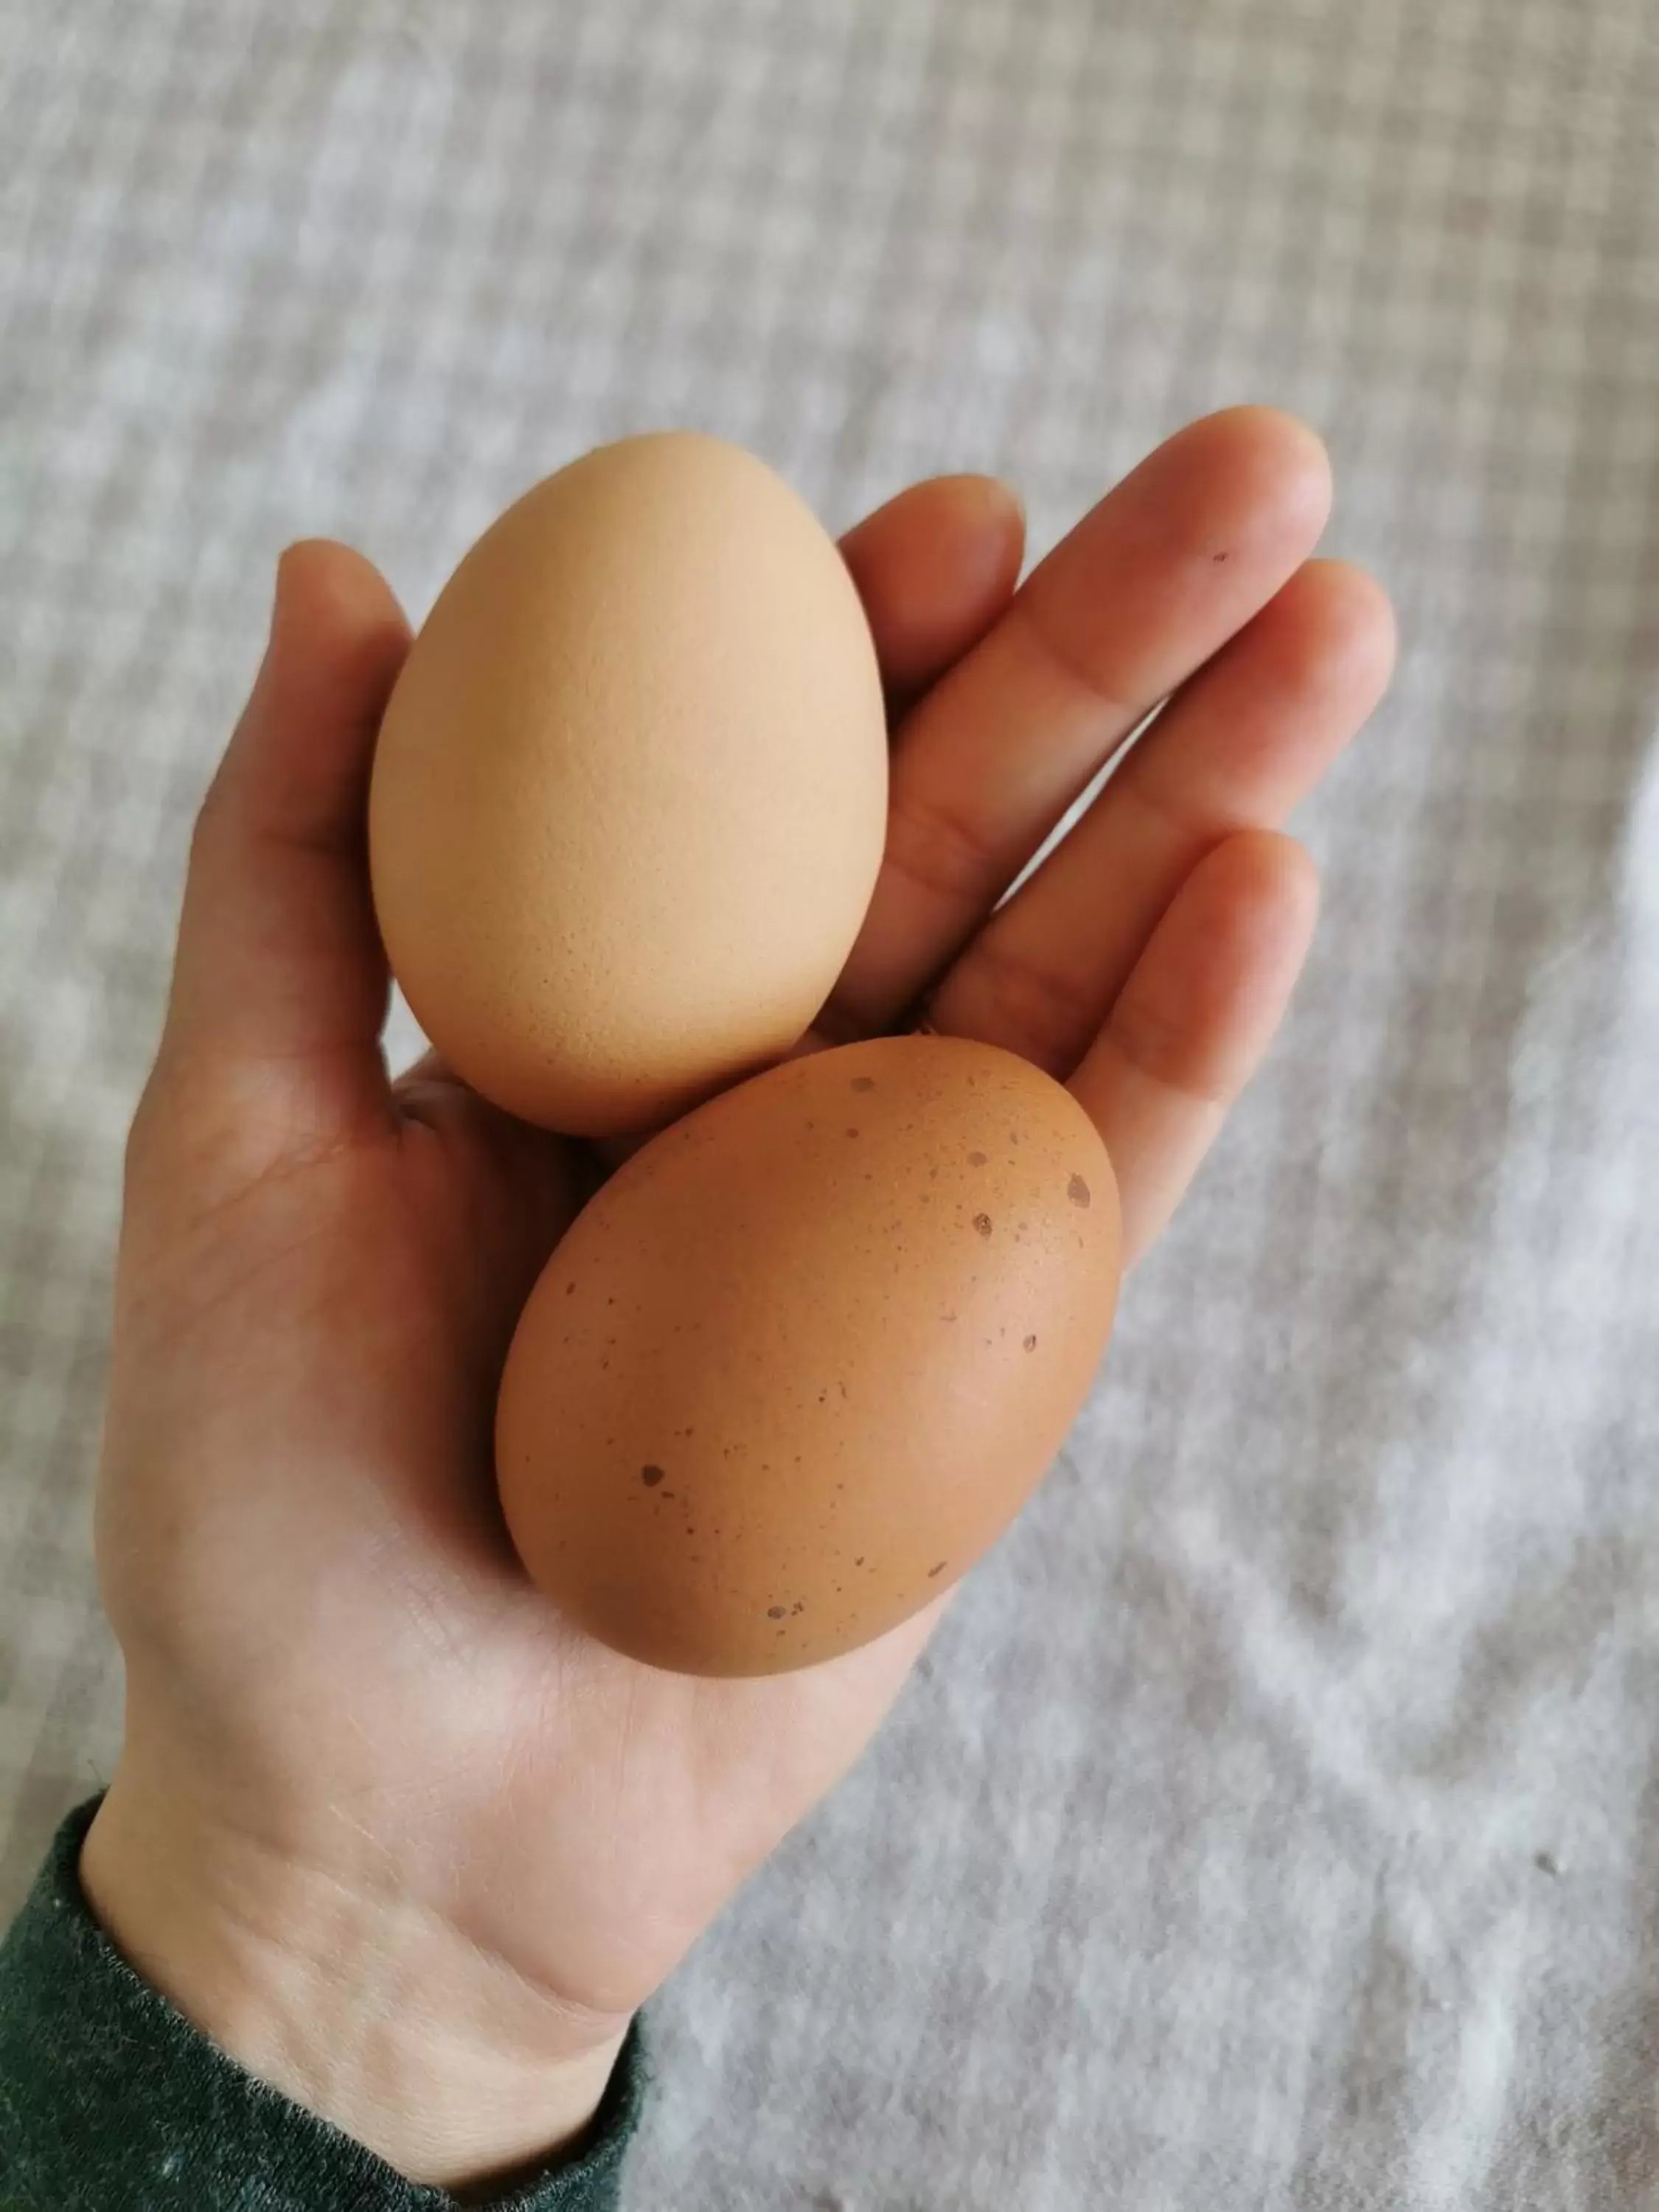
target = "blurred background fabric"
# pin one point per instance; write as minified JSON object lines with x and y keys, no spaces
{"x":1276,"y":1819}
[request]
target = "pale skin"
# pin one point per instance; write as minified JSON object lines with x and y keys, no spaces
{"x":384,"y":1826}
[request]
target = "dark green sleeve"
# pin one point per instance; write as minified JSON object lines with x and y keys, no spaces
{"x":111,"y":2101}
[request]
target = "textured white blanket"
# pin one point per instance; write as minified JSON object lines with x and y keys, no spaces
{"x":1276,"y":1821}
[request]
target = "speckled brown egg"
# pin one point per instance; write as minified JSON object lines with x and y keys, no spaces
{"x":629,"y":794}
{"x":801,"y":1360}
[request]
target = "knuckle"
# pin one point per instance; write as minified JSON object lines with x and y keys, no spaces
{"x":943,"y":852}
{"x":149,"y":1118}
{"x":1160,"y":1046}
{"x":1046,"y":1013}
{"x":204,"y":830}
{"x":195,"y":1123}
{"x":1168,"y":819}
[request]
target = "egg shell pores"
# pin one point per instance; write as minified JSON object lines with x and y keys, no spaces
{"x":799,"y":1364}
{"x":629,"y":794}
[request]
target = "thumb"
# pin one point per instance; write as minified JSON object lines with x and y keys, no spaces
{"x":279,"y":967}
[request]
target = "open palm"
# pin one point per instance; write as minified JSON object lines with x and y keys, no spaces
{"x":341,"y":1686}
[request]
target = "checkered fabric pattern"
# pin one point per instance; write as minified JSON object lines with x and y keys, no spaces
{"x":1276,"y":1820}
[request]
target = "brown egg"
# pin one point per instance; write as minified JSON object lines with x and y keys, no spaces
{"x":630,"y":796}
{"x":797,"y":1364}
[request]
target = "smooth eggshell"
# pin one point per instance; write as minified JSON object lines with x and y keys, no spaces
{"x":800,"y":1361}
{"x":629,"y":794}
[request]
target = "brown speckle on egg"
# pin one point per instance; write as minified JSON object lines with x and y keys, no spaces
{"x":651,"y":1476}
{"x":976,"y":1159}
{"x":864,"y":1083}
{"x":983,"y":1223}
{"x":1030,"y":1343}
{"x":1078,"y":1191}
{"x":775,"y":1612}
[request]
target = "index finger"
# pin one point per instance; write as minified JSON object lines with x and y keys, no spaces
{"x":935,"y":567}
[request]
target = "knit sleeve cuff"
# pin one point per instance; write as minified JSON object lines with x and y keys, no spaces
{"x":109,"y":2098}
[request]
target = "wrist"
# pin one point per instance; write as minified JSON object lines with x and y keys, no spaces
{"x":366,"y":2009}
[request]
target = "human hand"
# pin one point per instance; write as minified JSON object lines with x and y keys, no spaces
{"x":385,"y":1825}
